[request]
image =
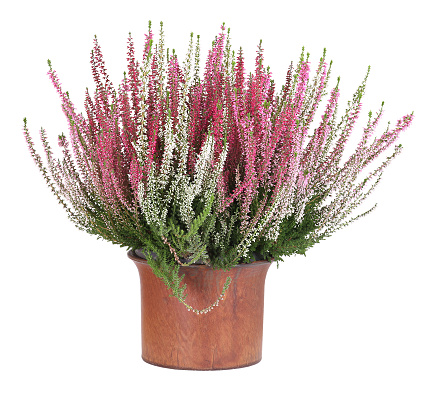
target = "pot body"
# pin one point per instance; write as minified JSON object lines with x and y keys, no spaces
{"x":229,"y":336}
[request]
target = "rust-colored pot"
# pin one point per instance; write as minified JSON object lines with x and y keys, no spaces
{"x":229,"y":336}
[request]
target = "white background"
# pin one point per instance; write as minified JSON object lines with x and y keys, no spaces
{"x":352,"y":318}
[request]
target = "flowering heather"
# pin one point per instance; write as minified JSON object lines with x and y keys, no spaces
{"x":216,"y":168}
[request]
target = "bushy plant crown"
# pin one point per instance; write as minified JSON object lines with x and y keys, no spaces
{"x":211,"y":168}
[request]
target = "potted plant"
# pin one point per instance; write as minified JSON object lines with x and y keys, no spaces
{"x":207,"y":180}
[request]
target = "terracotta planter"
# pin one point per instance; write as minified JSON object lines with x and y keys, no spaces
{"x":229,"y":336}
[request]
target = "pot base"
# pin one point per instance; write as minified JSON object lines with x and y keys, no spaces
{"x":199,"y":369}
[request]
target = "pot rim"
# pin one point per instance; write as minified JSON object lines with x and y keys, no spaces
{"x":132,"y":255}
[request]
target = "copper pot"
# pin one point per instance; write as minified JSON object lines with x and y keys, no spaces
{"x":229,"y":336}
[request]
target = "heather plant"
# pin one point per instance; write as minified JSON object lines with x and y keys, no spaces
{"x":217,"y":169}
